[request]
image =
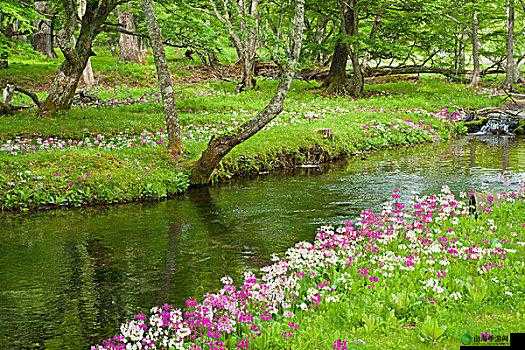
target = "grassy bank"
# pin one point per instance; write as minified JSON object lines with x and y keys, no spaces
{"x":400,"y":314}
{"x":420,"y":276}
{"x":82,"y":156}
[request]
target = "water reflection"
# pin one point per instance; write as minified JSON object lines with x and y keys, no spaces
{"x":69,"y":278}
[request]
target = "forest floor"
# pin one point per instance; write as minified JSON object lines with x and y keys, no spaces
{"x":109,"y":152}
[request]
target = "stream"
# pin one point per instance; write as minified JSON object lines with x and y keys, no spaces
{"x":68,"y":278}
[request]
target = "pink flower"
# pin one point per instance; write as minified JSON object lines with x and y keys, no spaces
{"x":323,"y":284}
{"x":266,"y":316}
{"x":485,"y":336}
{"x":293,"y":325}
{"x":316,"y":299}
{"x":140,"y":316}
{"x":374,"y":279}
{"x":363,"y":271}
{"x":213,"y":334}
{"x":191,"y":302}
{"x":340,"y":344}
{"x":243,"y":344}
{"x":245,"y":318}
{"x":287,"y":335}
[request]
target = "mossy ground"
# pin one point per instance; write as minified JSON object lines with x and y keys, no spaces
{"x":207,"y":107}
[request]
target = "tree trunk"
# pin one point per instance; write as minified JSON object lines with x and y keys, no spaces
{"x":165,"y":81}
{"x":4,"y":60}
{"x":43,"y":34}
{"x":62,"y":89}
{"x":87,"y":75}
{"x":511,"y":63}
{"x":352,"y":23}
{"x":475,"y":50}
{"x":213,"y":60}
{"x":358,"y":77}
{"x":242,"y":24}
{"x":337,"y":82}
{"x":129,"y":45}
{"x":76,"y":54}
{"x":219,"y":147}
{"x":91,"y":15}
{"x":248,"y":81}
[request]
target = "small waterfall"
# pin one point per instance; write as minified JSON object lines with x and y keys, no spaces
{"x":495,"y":126}
{"x":499,"y":124}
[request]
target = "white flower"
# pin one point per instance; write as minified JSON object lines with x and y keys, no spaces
{"x":456,"y":295}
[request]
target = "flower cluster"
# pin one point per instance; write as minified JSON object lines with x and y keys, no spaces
{"x":366,"y":252}
{"x":25,"y":145}
{"x":454,"y":116}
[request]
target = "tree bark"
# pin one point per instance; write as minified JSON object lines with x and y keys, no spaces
{"x":62,"y":89}
{"x":475,"y":49}
{"x":4,"y":60}
{"x":248,"y":81}
{"x":129,"y":45}
{"x":87,"y":74}
{"x":337,"y":82}
{"x":165,"y":81}
{"x":511,"y":63}
{"x":43,"y":34}
{"x":358,"y":78}
{"x":219,"y":147}
{"x":242,"y":25}
{"x":77,"y":51}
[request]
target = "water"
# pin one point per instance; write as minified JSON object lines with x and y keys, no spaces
{"x":69,"y":278}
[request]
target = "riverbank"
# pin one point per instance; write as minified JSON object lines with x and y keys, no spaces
{"x":407,"y":277}
{"x":97,"y":155}
{"x":78,"y":176}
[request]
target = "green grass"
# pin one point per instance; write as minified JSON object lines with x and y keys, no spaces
{"x":376,"y":319}
{"x":211,"y":107}
{"x":85,"y":177}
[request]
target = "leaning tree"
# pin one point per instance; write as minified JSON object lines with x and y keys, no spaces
{"x":220,"y":146}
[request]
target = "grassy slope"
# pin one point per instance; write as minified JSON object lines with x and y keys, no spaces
{"x":371,"y":319}
{"x":210,"y":107}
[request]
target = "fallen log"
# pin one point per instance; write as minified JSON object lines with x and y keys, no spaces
{"x":266,"y":69}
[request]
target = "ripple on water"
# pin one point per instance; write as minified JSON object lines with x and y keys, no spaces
{"x":70,"y":277}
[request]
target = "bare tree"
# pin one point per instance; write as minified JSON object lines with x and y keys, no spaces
{"x":165,"y":81}
{"x":241,"y":19}
{"x":77,"y":50}
{"x":219,"y":147}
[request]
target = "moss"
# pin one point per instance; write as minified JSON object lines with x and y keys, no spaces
{"x":475,"y":125}
{"x":520,"y":130}
{"x":87,"y":177}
